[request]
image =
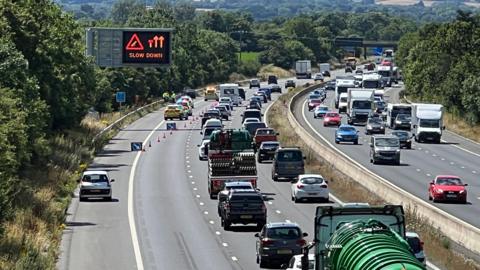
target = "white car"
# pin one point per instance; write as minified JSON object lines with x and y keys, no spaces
{"x":310,"y":186}
{"x":213,"y":123}
{"x":318,"y":77}
{"x":416,"y":244}
{"x":95,"y":184}
{"x":227,"y":106}
{"x":296,"y":262}
{"x":202,"y":154}
{"x":251,"y":120}
{"x":226,"y":100}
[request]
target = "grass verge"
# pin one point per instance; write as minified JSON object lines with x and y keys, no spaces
{"x":438,"y":247}
{"x":32,"y":235}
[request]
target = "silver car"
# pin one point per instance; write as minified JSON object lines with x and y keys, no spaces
{"x":95,"y":184}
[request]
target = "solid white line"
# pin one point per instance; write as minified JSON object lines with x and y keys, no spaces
{"x":131,"y":214}
{"x":468,"y":151}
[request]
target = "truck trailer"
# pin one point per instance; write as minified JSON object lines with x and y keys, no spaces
{"x":303,"y":69}
{"x":231,"y":158}
{"x":361,"y":238}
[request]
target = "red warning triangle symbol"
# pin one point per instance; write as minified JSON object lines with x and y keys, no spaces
{"x":134,"y":44}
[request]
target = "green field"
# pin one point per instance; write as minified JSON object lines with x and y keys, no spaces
{"x":249,"y":56}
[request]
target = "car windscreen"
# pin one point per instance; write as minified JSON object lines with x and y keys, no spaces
{"x":270,"y":145}
{"x":449,"y":181}
{"x":208,"y":131}
{"x":246,"y":198}
{"x":252,"y":114}
{"x":235,"y":187}
{"x":286,"y":233}
{"x":343,"y":99}
{"x":95,"y":178}
{"x":221,"y":108}
{"x":404,"y":117}
{"x":314,"y":96}
{"x":311,"y":180}
{"x":375,"y":121}
{"x":400,"y":134}
{"x":371,"y":84}
{"x":349,"y":129}
{"x":315,"y":101}
{"x":429,"y":123}
{"x":331,"y":115}
{"x":289,"y":156}
{"x":387,"y":142}
{"x":362,"y":104}
{"x":322,"y":108}
{"x":265,"y":132}
{"x":254,"y":126}
{"x":415,"y":244}
{"x":211,"y":114}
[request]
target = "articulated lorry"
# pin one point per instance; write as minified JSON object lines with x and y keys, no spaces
{"x":303,"y":69}
{"x":427,"y":122}
{"x":231,"y":158}
{"x":360,"y":105}
{"x":361,"y":238}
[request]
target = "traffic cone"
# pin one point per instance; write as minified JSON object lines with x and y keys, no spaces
{"x":185,"y":125}
{"x":170,"y":132}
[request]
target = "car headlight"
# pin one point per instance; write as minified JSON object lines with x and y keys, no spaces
{"x":377,"y":151}
{"x":382,"y":127}
{"x":398,"y":150}
{"x":339,"y":135}
{"x":398,"y":122}
{"x":439,"y":191}
{"x":369,"y":127}
{"x":408,"y":140}
{"x":462,"y":191}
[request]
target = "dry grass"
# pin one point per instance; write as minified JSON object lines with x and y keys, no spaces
{"x":459,"y":126}
{"x":437,"y":246}
{"x":273,"y":70}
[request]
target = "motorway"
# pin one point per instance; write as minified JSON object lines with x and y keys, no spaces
{"x":455,"y":155}
{"x":176,"y":223}
{"x":162,"y":217}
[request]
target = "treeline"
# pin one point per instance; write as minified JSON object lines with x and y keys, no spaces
{"x":441,"y":63}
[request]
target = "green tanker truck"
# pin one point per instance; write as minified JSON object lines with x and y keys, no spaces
{"x":362,"y":238}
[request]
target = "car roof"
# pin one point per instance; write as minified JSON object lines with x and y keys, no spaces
{"x":447,"y":176}
{"x":290,"y":149}
{"x":211,"y":121}
{"x":412,"y":235}
{"x":272,"y":142}
{"x":94,"y":172}
{"x":252,"y":110}
{"x":384,"y":136}
{"x":345,"y":125}
{"x":231,"y":184}
{"x":310,"y":175}
{"x":281,"y":225}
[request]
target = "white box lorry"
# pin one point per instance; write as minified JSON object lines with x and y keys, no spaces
{"x":342,"y":86}
{"x":360,"y":105}
{"x":303,"y":69}
{"x":324,"y":67}
{"x":427,"y":122}
{"x":231,"y":90}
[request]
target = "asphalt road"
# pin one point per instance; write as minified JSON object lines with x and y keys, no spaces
{"x":454,"y":156}
{"x":175,"y":221}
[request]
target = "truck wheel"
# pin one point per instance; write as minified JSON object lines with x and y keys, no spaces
{"x":295,"y":199}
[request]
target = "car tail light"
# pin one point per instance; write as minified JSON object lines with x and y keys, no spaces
{"x":300,"y":186}
{"x":267,"y":242}
{"x":462,"y":191}
{"x":216,"y":183}
{"x":254,"y":182}
{"x":301,"y":242}
{"x":421,"y":244}
{"x":264,"y":209}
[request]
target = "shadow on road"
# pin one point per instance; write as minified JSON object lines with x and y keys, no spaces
{"x":244,"y":228}
{"x":79,"y":224}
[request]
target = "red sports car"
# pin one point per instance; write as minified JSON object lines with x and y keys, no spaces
{"x":332,"y":118}
{"x":312,"y":103}
{"x":447,"y":188}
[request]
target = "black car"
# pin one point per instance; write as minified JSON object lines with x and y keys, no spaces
{"x":254,"y":105}
{"x":266,"y":151}
{"x":241,"y":93}
{"x":244,"y":207}
{"x":348,"y":69}
{"x":252,"y":114}
{"x":404,"y":137}
{"x":191,"y":93}
{"x":254,"y":83}
{"x":402,"y":121}
{"x":272,"y":79}
{"x":275,"y":88}
{"x":375,"y":125}
{"x":330,"y":85}
{"x":278,"y":242}
{"x":326,"y":73}
{"x":290,"y":83}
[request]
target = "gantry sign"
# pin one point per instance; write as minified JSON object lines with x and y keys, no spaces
{"x":137,"y":47}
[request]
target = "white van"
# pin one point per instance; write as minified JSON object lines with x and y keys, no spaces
{"x":231,"y":90}
{"x":343,"y":102}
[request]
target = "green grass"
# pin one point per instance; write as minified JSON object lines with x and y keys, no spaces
{"x":249,"y":56}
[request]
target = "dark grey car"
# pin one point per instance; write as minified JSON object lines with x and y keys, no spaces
{"x":402,"y":121}
{"x":385,"y":148}
{"x":288,"y":163}
{"x":375,"y":125}
{"x":404,"y":137}
{"x":278,"y":242}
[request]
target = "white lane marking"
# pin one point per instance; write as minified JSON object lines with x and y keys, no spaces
{"x":443,"y":158}
{"x":188,"y":166}
{"x":429,"y":175}
{"x":190,"y":176}
{"x":418,"y":170}
{"x":198,"y":196}
{"x":217,"y":233}
{"x":434,"y":155}
{"x":474,"y":172}
{"x":188,"y":161}
{"x":287,"y":221}
{"x":130,"y":209}
{"x":278,"y":211}
{"x":201,"y":203}
{"x":461,"y":148}
{"x":451,"y":163}
{"x":205,"y":212}
{"x":189,"y":171}
{"x":211,"y":222}
{"x":195,"y":188}
{"x":193,"y":182}
{"x":187,"y":157}
{"x":270,"y":203}
{"x":234,"y":258}
{"x":225,"y":244}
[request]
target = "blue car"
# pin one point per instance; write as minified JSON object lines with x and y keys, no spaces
{"x":267,"y":91}
{"x":346,"y":133}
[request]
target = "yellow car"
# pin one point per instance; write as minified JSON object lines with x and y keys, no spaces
{"x":211,"y":94}
{"x":175,"y":111}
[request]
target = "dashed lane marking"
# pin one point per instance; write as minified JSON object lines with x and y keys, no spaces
{"x":278,"y":211}
{"x":201,"y":203}
{"x":217,"y":233}
{"x":211,"y":222}
{"x":234,"y":258}
{"x":198,"y":196}
{"x":225,"y":244}
{"x":193,"y":182}
{"x":429,"y":175}
{"x":205,"y":212}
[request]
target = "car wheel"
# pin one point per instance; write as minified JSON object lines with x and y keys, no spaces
{"x":374,"y":161}
{"x":295,"y":199}
{"x":275,"y":178}
{"x":397,"y":162}
{"x":82,"y":199}
{"x":259,"y":160}
{"x":262,"y":263}
{"x":109,"y":198}
{"x":260,"y":225}
{"x":226,"y":225}
{"x":409,"y":146}
{"x":205,"y":99}
{"x":212,"y":196}
{"x":337,"y":142}
{"x":429,"y":196}
{"x":324,"y":124}
{"x":355,"y":142}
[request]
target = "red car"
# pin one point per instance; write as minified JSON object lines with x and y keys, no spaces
{"x":447,"y":188}
{"x":332,"y":118}
{"x":312,"y":103}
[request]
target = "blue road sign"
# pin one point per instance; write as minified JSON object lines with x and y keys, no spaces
{"x":136,"y":146}
{"x":120,"y":97}
{"x":171,"y":126}
{"x":378,"y":51}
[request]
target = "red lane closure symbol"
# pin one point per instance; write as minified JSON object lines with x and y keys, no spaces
{"x":134,"y":44}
